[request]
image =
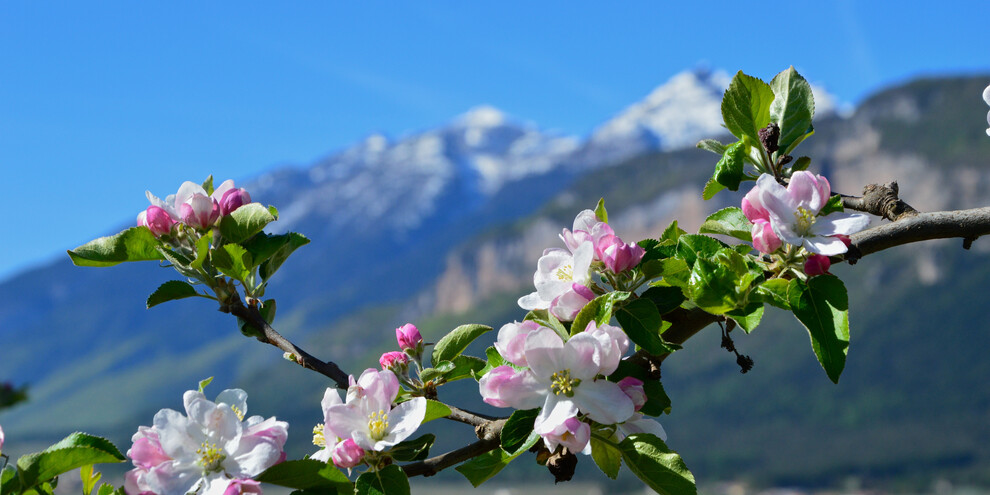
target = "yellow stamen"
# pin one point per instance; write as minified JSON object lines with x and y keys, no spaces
{"x":210,"y":457}
{"x":378,"y":424}
{"x":318,"y":439}
{"x":804,"y":220}
{"x":237,"y":412}
{"x":562,"y":384}
{"x":565,"y":272}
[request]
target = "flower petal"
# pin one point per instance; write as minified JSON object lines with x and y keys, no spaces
{"x":840,"y":223}
{"x":403,"y":420}
{"x":603,"y":401}
{"x":556,"y":410}
{"x":824,"y":245}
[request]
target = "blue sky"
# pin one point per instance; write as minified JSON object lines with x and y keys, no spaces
{"x":100,"y":101}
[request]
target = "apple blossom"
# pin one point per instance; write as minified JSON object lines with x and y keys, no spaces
{"x":330,"y":398}
{"x":511,"y":341}
{"x":566,"y":306}
{"x":347,"y":454}
{"x":571,"y":433}
{"x":204,"y":449}
{"x":793,"y":213}
{"x":409,"y":338}
{"x":232,"y":200}
{"x":394,"y":360}
{"x":563,"y":377}
{"x":617,"y":255}
{"x":817,"y":264}
{"x":156,"y":219}
{"x":556,"y":272}
{"x":633,"y":387}
{"x":368,"y":417}
{"x":764,"y":239}
{"x":587,"y":227}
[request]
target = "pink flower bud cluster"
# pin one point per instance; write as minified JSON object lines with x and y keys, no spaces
{"x":192,"y":206}
{"x":608,"y":247}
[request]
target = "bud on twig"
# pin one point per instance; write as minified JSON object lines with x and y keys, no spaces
{"x":561,"y":464}
{"x":769,"y":136}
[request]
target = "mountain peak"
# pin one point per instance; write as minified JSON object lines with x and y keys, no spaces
{"x":481,"y":116}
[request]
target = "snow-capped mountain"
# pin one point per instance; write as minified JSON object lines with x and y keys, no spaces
{"x":468,"y":160}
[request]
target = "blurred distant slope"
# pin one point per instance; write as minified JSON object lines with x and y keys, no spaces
{"x":452,"y":235}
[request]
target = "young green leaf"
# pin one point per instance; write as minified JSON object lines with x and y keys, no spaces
{"x":655,"y":464}
{"x":666,"y":299}
{"x":233,"y":261}
{"x":518,"y":428}
{"x":712,"y":187}
{"x":454,"y":343}
{"x":271,"y":251}
{"x":598,"y":310}
{"x":801,"y":163}
{"x":464,"y":367}
{"x":642,"y":323}
{"x":774,"y":291}
{"x":600,"y":211}
{"x":133,"y":244}
{"x":204,"y":383}
{"x":728,"y":221}
{"x":711,"y":145}
{"x":607,"y":456}
{"x":793,"y":107}
{"x":746,"y":106}
{"x":208,"y":185}
{"x":74,"y":451}
{"x":833,"y":204}
{"x":545,"y":318}
{"x":170,"y":291}
{"x":387,"y":481}
{"x":729,"y":169}
{"x":672,"y":232}
{"x":483,"y":467}
{"x":435,"y":410}
{"x":413,"y":450}
{"x":693,"y":246}
{"x":822,"y":306}
{"x":245,"y":222}
{"x":749,"y":317}
{"x":306,"y":474}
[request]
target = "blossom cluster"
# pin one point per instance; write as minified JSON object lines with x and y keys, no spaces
{"x":365,"y":422}
{"x":211,"y":450}
{"x":567,"y":381}
{"x":192,"y":206}
{"x":793,"y":215}
{"x":563,"y":277}
{"x":986,"y":98}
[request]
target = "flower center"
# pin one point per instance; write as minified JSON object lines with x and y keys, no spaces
{"x":565,"y":272}
{"x":318,"y":439}
{"x":237,"y":412}
{"x":804,"y":219}
{"x":210,"y":457}
{"x":378,"y":424}
{"x":561,"y":383}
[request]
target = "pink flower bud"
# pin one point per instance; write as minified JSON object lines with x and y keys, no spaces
{"x":497,"y":385}
{"x":157,"y":220}
{"x":633,"y":387}
{"x":1,"y":440}
{"x":147,"y":452}
{"x":817,"y":264}
{"x":567,"y":305}
{"x":233,"y":199}
{"x":512,"y":340}
{"x":347,"y":454}
{"x":242,"y":487}
{"x":408,"y":337}
{"x":617,"y":255}
{"x":199,"y":212}
{"x":764,"y":238}
{"x":395,"y":360}
{"x":753,"y":208}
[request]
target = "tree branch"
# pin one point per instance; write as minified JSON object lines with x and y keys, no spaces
{"x":490,"y":439}
{"x":965,"y":224}
{"x":880,"y":200}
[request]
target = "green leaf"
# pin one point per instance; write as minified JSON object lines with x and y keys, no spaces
{"x":600,"y":211}
{"x":107,"y":489}
{"x":728,"y":221}
{"x":792,"y":108}
{"x":655,"y":464}
{"x":90,"y":478}
{"x":749,"y":317}
{"x":800,"y":164}
{"x":711,"y":145}
{"x":712,"y":187}
{"x":454,"y":343}
{"x":607,"y":457}
{"x":245,"y":222}
{"x":233,"y":261}
{"x":170,"y":291}
{"x":307,"y":474}
{"x":202,"y":250}
{"x":494,"y":361}
{"x":833,"y":204}
{"x":774,"y":291}
{"x":204,"y":383}
{"x":208,"y":185}
{"x":642,"y":323}
{"x":822,"y":306}
{"x":390,"y":480}
{"x":712,"y":286}
{"x":435,"y":410}
{"x":518,"y":428}
{"x":545,"y":318}
{"x":133,"y":244}
{"x":666,"y":299}
{"x":413,"y":450}
{"x":598,"y":310}
{"x":675,"y":272}
{"x":483,"y":467}
{"x":8,"y":480}
{"x":273,"y":250}
{"x":729,"y":170}
{"x":464,"y":367}
{"x":672,"y":232}
{"x":746,"y":106}
{"x":693,"y":246}
{"x":74,"y":451}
